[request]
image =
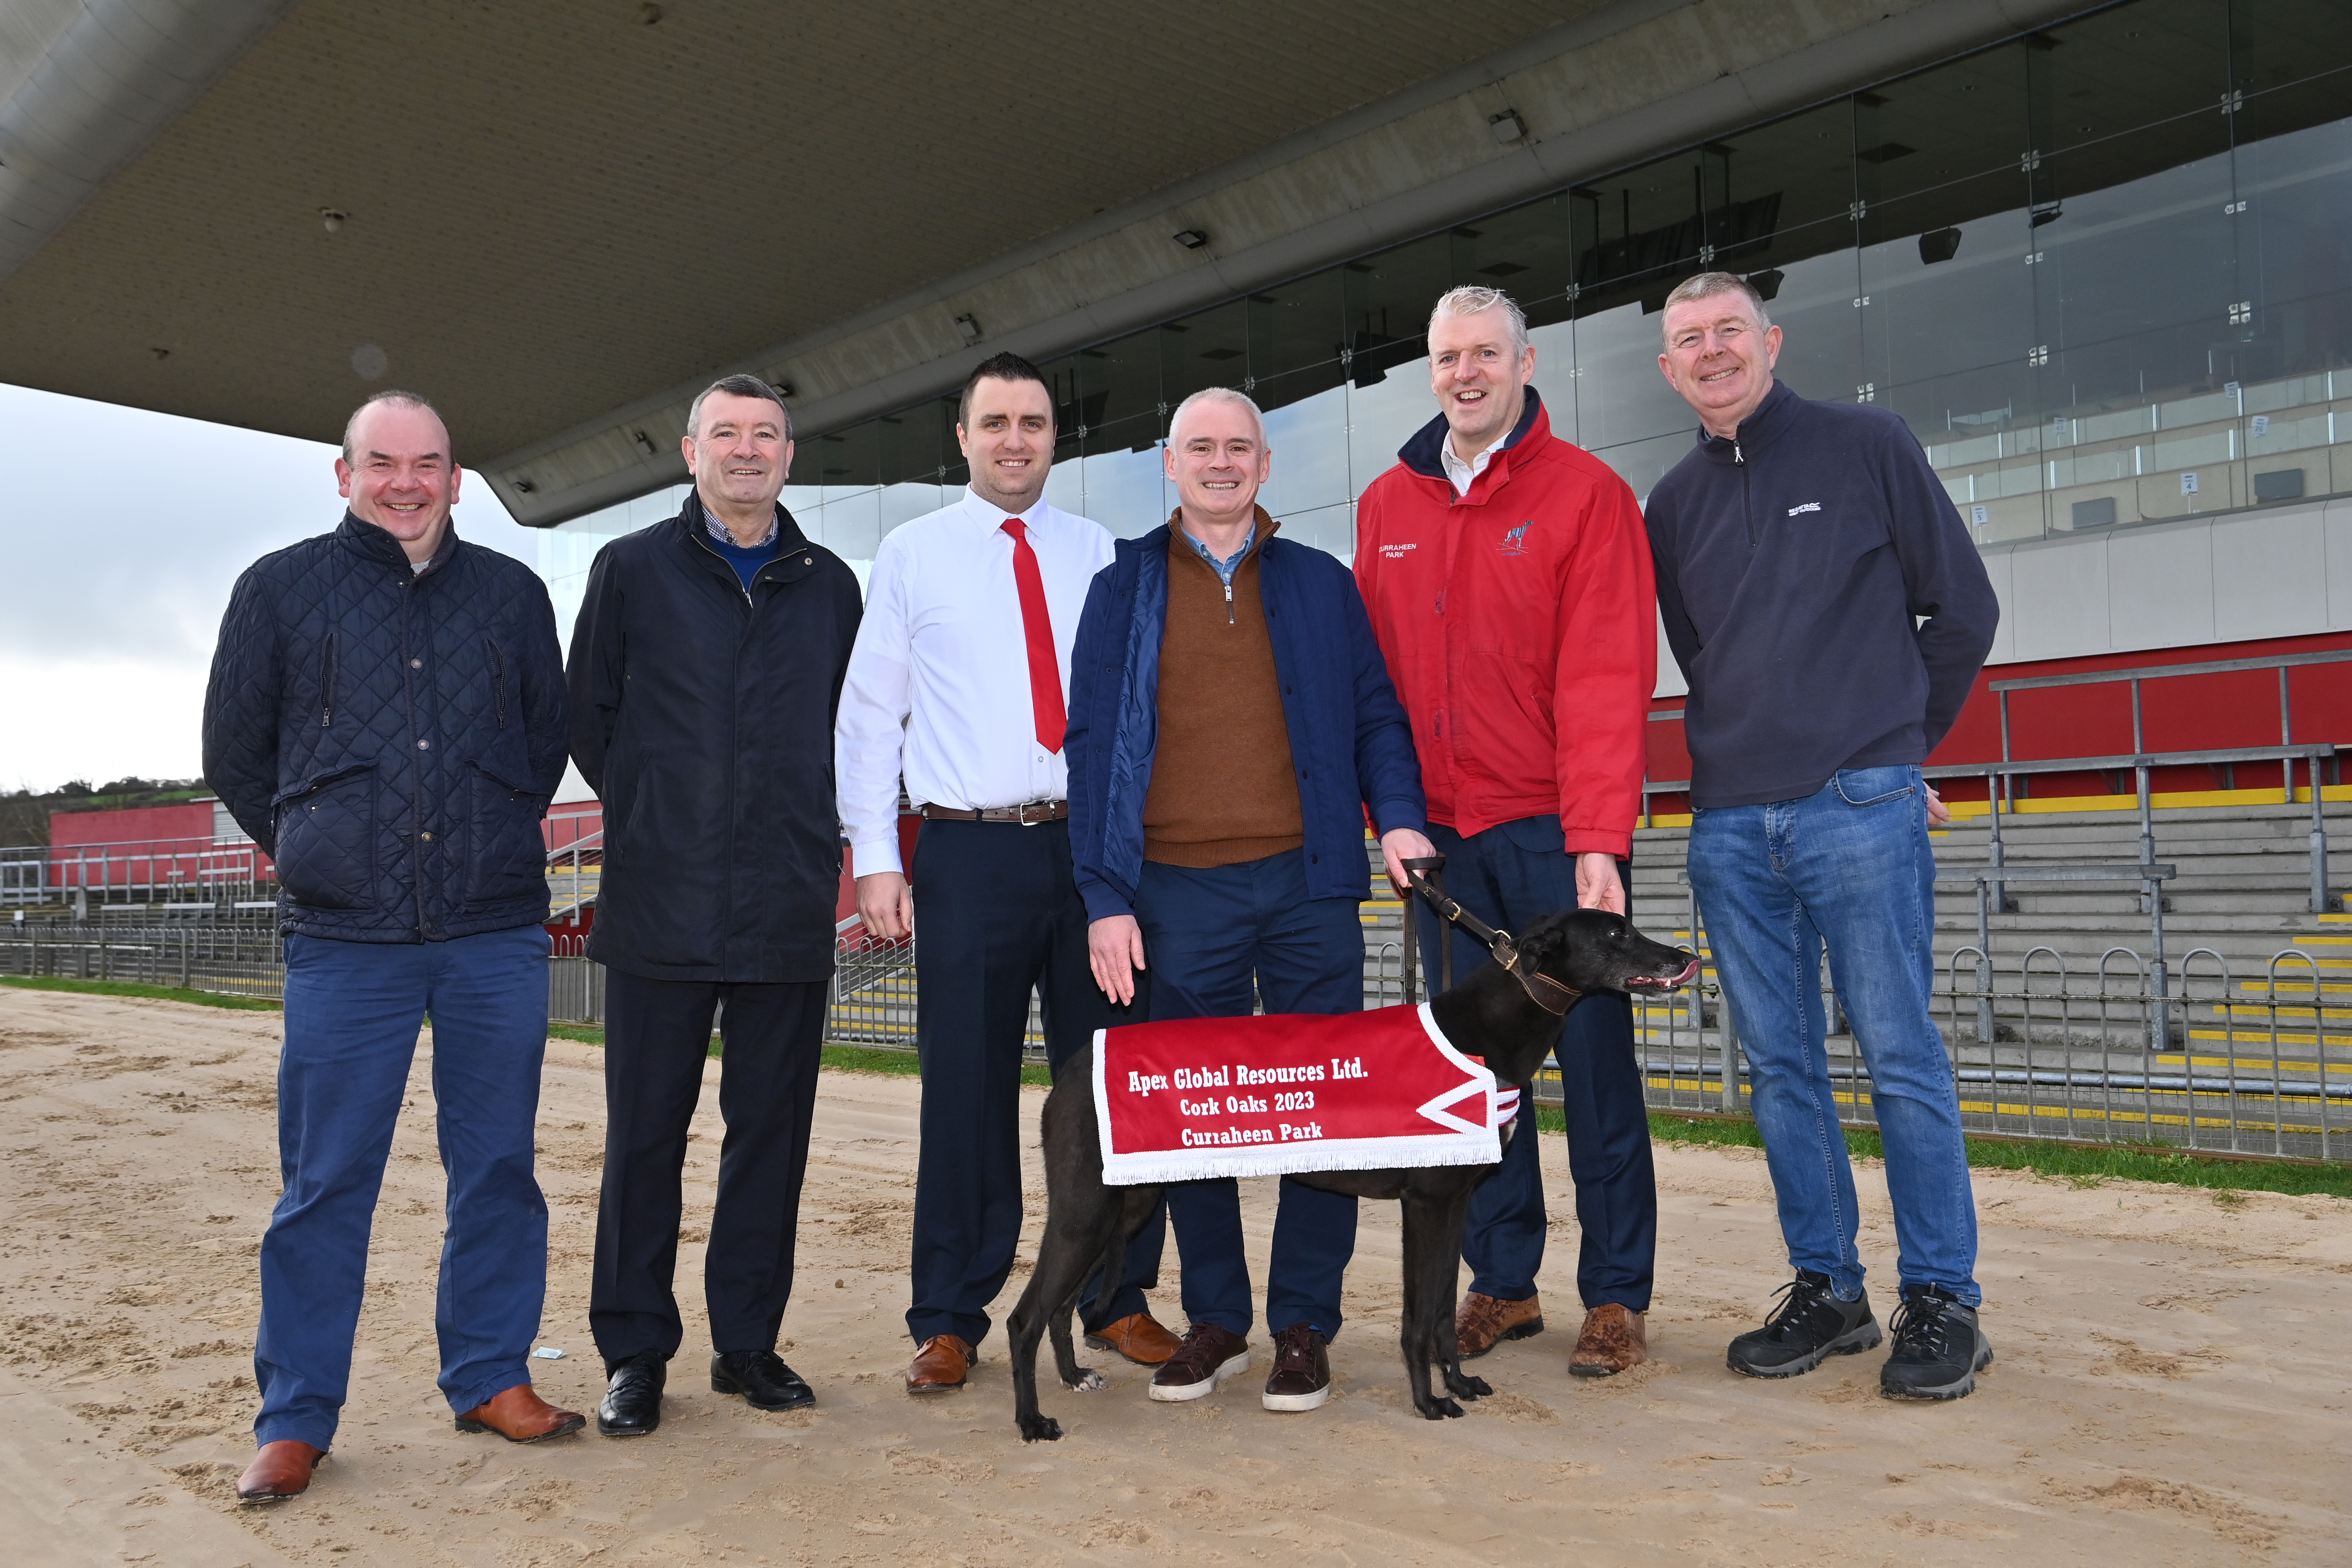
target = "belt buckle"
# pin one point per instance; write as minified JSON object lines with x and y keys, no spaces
{"x":1021,"y":813}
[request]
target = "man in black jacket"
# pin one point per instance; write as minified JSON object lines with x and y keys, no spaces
{"x":705,"y":670}
{"x":1831,"y":614}
{"x":385,"y":717}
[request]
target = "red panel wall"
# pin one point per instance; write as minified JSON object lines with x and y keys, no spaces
{"x":2178,"y":713}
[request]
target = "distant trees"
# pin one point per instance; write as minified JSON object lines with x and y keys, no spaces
{"x":24,"y":813}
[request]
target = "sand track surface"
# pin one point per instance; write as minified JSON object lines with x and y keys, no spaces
{"x":2172,"y":1386}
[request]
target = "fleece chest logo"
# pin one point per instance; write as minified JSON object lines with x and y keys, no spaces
{"x":1808,"y":506}
{"x":1516,"y":542}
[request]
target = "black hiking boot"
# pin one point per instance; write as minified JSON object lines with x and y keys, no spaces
{"x":1939,"y":1347}
{"x":1807,"y":1328}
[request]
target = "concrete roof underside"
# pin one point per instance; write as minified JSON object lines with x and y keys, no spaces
{"x":561,"y":218}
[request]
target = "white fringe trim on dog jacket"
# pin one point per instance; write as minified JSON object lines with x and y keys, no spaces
{"x":1286,"y":1093}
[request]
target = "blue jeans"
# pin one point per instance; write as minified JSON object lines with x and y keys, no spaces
{"x":1511,"y":874}
{"x":1850,"y":866}
{"x":352,"y":1011}
{"x":1207,"y":934}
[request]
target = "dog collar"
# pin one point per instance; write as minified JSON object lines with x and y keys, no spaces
{"x":1542,"y":990}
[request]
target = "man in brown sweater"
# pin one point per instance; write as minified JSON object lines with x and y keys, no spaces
{"x":1231,"y":723}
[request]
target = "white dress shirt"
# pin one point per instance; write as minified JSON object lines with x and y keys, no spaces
{"x":1465,"y":475}
{"x":938,"y":687}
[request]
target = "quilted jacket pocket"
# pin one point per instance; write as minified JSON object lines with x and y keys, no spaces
{"x":326,"y":839}
{"x":507,"y":856}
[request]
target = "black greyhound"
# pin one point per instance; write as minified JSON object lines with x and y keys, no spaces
{"x":1509,"y":1012}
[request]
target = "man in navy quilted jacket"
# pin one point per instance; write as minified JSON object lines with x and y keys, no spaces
{"x":386,"y":719}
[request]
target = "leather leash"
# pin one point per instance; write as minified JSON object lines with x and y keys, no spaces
{"x":1542,"y":990}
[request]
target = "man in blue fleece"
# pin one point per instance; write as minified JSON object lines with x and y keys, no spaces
{"x":1831,"y":614}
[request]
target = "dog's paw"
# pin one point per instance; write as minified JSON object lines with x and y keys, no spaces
{"x":1439,"y":1409}
{"x":1040,"y":1429}
{"x":1466,"y":1388}
{"x":1089,"y":1380}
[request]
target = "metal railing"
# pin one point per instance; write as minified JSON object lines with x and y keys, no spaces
{"x":2192,"y":1054}
{"x":186,"y":873}
{"x":2000,"y":778}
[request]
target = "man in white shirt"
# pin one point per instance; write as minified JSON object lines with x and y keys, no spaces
{"x":959,"y":683}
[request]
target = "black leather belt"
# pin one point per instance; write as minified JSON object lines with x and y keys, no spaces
{"x":1028,"y":814}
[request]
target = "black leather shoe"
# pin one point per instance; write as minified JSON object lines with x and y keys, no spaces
{"x":761,"y":1378}
{"x":632,"y":1403}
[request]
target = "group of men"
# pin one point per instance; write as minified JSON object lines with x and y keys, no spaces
{"x":1144,"y":768}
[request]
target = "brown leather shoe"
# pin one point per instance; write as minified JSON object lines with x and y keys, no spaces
{"x":1138,"y":1336}
{"x":1207,"y":1356}
{"x":1484,"y":1322}
{"x":940,"y":1363}
{"x":1612,"y":1340}
{"x":281,"y":1470}
{"x":519,"y":1415}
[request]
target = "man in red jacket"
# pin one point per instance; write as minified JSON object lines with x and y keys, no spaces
{"x":1510,"y":583}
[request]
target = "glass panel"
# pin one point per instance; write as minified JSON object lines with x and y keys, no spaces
{"x":1949,"y":319}
{"x":1210,"y":349}
{"x":1122,"y":474}
{"x":1296,"y":337}
{"x":1310,"y":455}
{"x":1527,"y":252}
{"x":2134,"y":363}
{"x":1388,"y":301}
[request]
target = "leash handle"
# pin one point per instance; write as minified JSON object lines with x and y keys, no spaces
{"x":1422,"y":874}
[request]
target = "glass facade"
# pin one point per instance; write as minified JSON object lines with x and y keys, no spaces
{"x":2104,"y":271}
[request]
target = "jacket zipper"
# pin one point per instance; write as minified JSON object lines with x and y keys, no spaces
{"x":731,"y":565}
{"x":327,"y":682}
{"x":1747,"y":505}
{"x":498,"y":677}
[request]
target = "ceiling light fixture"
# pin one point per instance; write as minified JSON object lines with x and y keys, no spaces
{"x":968,"y":328}
{"x":1506,"y":126}
{"x":334,"y":218}
{"x":1190,"y":238}
{"x":644,"y":443}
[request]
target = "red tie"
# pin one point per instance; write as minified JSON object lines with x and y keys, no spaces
{"x":1037,"y":628}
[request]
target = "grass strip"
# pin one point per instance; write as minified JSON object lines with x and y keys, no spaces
{"x":132,"y":988}
{"x":2083,"y":1165}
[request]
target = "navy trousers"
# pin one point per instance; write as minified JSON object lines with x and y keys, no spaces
{"x":656,"y":1042}
{"x":997,"y":915}
{"x":352,"y":1011}
{"x":1509,"y":876}
{"x":1207,"y":935}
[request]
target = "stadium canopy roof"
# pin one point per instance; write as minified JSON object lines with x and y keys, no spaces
{"x":559,"y":219}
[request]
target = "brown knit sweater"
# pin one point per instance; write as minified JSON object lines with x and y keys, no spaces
{"x":1223,"y":788}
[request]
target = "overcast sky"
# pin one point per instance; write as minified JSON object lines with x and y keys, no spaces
{"x":121,"y":534}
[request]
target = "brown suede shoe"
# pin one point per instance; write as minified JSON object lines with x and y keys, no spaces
{"x":1612,"y":1340}
{"x":1138,"y":1336}
{"x":281,"y":1470}
{"x":1208,"y":1356}
{"x":519,"y":1415}
{"x":940,"y":1363}
{"x":1484,"y":1322}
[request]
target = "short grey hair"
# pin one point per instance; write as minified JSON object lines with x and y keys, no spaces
{"x":1218,"y":394}
{"x":1706,"y":285}
{"x":1474,"y":299}
{"x":400,"y":399}
{"x":736,"y":386}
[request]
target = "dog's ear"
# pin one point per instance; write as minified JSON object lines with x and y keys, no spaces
{"x":1545,"y":943}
